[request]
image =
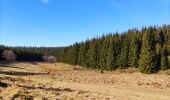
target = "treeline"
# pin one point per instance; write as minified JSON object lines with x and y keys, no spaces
{"x":146,"y":49}
{"x":30,"y":53}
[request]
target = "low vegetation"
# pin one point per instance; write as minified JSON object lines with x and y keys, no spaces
{"x":9,"y":55}
{"x":51,"y":59}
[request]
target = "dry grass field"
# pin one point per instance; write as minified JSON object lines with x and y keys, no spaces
{"x":44,"y":81}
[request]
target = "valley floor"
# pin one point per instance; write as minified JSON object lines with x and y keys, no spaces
{"x":44,"y":81}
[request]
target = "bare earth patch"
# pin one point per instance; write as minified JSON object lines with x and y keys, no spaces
{"x":44,"y":81}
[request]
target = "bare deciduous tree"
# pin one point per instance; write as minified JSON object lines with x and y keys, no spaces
{"x":45,"y":58}
{"x":51,"y":59}
{"x":9,"y":55}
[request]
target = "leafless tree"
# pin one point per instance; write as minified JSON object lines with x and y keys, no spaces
{"x":45,"y":58}
{"x":51,"y":59}
{"x":9,"y":55}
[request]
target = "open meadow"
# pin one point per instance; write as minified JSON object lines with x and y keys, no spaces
{"x":45,"y":81}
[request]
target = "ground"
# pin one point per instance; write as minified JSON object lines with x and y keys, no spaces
{"x":44,"y":81}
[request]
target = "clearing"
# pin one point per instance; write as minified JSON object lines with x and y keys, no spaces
{"x":45,"y":81}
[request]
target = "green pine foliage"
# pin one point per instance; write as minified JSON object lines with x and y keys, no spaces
{"x":147,"y":61}
{"x":123,"y":58}
{"x":93,"y":54}
{"x":111,"y":58}
{"x":134,"y":51}
{"x":73,"y":54}
{"x":1,"y":51}
{"x":104,"y":54}
{"x":164,"y":60}
{"x":83,"y":54}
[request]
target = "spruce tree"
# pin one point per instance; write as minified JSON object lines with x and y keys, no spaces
{"x":74,"y":54}
{"x":123,"y":58}
{"x":111,"y":58}
{"x":164,"y":59}
{"x":83,"y":54}
{"x":1,"y":50}
{"x":134,"y":50}
{"x":99,"y":43}
{"x":147,"y":61}
{"x":92,"y":52}
{"x":104,"y":54}
{"x":158,"y":55}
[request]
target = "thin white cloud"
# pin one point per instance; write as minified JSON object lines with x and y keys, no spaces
{"x":44,"y":1}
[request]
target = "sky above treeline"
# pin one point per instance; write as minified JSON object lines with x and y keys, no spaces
{"x":53,"y":23}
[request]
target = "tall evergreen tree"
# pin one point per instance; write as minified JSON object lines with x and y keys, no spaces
{"x":123,"y":58}
{"x":104,"y":54}
{"x":164,"y":59}
{"x":158,"y":55}
{"x":73,"y":54}
{"x":111,"y":58}
{"x":92,"y":52}
{"x":147,"y":62}
{"x":83,"y":54}
{"x":134,"y":49}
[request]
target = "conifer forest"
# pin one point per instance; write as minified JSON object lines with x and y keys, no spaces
{"x":147,"y":49}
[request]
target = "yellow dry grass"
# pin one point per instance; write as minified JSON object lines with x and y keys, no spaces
{"x":38,"y":80}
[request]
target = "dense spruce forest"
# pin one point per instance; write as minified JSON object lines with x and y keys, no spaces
{"x":147,"y":49}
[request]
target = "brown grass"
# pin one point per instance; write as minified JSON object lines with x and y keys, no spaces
{"x":37,"y":80}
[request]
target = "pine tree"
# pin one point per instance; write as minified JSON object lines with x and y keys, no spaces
{"x":111,"y":58}
{"x":83,"y":54}
{"x":69,"y":55}
{"x":123,"y":58}
{"x":73,"y":54}
{"x":135,"y":46}
{"x":86,"y":56}
{"x":147,"y":62}
{"x":92,"y":52}
{"x":1,"y":50}
{"x":164,"y":59}
{"x":158,"y":55}
{"x":160,"y":39}
{"x":63,"y":55}
{"x":104,"y":54}
{"x":99,"y":46}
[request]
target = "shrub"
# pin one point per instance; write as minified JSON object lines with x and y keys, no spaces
{"x":9,"y":55}
{"x":51,"y":59}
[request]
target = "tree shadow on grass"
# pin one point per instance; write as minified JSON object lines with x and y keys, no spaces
{"x":5,"y":63}
{"x":1,"y":65}
{"x":48,"y":89}
{"x":15,"y":73}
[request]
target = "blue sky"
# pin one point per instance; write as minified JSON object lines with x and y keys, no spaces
{"x":64,"y":22}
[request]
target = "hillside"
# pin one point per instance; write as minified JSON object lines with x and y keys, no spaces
{"x":37,"y":80}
